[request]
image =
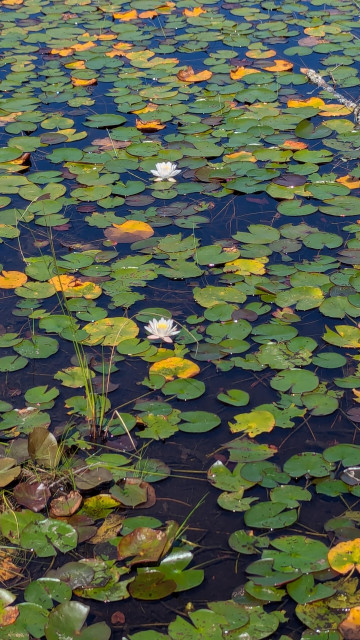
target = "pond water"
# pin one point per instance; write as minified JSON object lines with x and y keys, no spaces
{"x":180,"y":295}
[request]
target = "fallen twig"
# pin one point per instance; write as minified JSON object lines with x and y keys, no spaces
{"x":320,"y":82}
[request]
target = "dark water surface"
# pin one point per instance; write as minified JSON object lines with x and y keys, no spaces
{"x":247,"y":156}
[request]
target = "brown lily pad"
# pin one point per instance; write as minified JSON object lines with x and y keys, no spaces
{"x":144,"y":544}
{"x":66,"y":505}
{"x":90,"y":478}
{"x":32,"y":494}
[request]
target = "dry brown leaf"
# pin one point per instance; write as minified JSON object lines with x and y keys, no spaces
{"x":8,"y":616}
{"x":8,"y":570}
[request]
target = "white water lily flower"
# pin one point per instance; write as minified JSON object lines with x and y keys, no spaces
{"x":161,"y":329}
{"x":165,"y":171}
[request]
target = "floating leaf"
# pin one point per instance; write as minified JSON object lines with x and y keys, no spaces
{"x":152,"y":585}
{"x":308,"y":463}
{"x":345,"y":556}
{"x":8,"y":472}
{"x":43,"y":447}
{"x":279,"y":65}
{"x":350,"y":627}
{"x":189,"y":75}
{"x":175,"y":367}
{"x":65,"y":505}
{"x":32,"y":494}
{"x":270,"y":515}
{"x":110,"y":331}
{"x":253,"y":423}
{"x":12,"y":279}
{"x":129,"y":231}
{"x":144,"y":544}
{"x":68,"y":619}
{"x":240,"y":72}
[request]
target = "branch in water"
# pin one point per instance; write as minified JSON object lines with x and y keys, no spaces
{"x":320,"y":82}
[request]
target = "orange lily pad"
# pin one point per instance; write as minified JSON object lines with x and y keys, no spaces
{"x":83,"y":46}
{"x":129,"y":231}
{"x":12,"y":279}
{"x":309,"y":102}
{"x":81,"y":82}
{"x":175,"y":367}
{"x":350,"y":627}
{"x":345,"y":556}
{"x":66,"y":51}
{"x":240,"y":72}
{"x":295,"y":145}
{"x":349,"y":181}
{"x":74,"y":288}
{"x":151,"y":125}
{"x":193,"y":13}
{"x":246,"y":156}
{"x":280,"y":65}
{"x":126,"y":16}
{"x":148,"y":14}
{"x":189,"y":75}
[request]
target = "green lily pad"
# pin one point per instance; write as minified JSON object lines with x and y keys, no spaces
{"x":308,"y":463}
{"x":69,"y":618}
{"x":37,"y":347}
{"x":270,"y":515}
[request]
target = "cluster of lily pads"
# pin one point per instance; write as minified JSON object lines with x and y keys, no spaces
{"x":129,"y":178}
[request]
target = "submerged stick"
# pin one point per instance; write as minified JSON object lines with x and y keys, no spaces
{"x":320,"y":82}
